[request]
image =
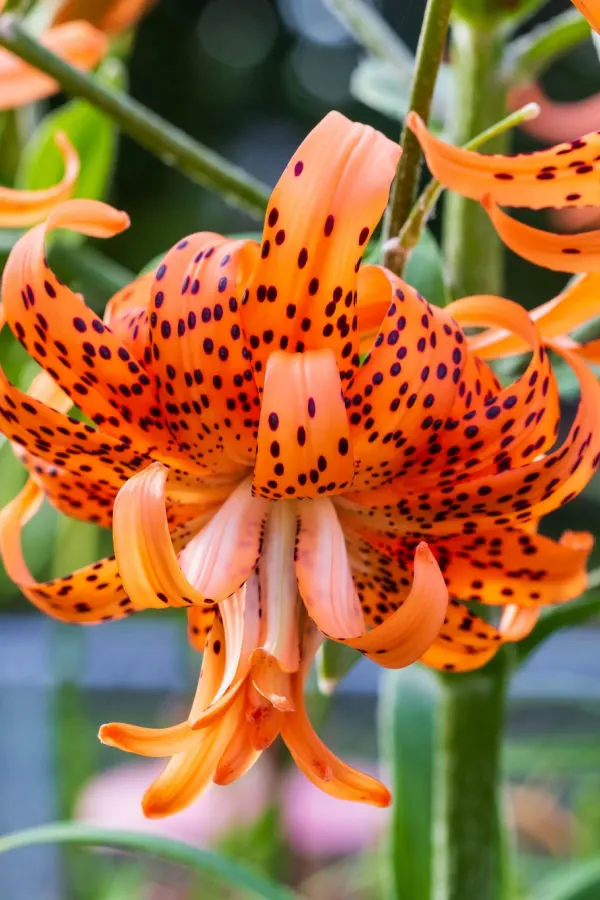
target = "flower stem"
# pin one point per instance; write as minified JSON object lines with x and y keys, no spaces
{"x":173,"y":146}
{"x":473,"y":253}
{"x":468,"y":857}
{"x":432,"y":42}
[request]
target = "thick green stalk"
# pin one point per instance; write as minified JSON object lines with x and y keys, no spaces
{"x":468,"y":857}
{"x":430,"y":49}
{"x":473,"y":254}
{"x":173,"y":146}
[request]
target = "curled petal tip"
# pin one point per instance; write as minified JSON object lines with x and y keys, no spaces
{"x":414,"y":121}
{"x":105,"y":735}
{"x":486,"y":202}
{"x":578,"y":540}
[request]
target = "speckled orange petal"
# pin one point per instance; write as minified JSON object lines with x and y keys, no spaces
{"x":591,"y":10}
{"x":200,"y":621}
{"x":144,"y":546}
{"x":127,"y":315}
{"x":269,"y":679}
{"x":576,"y":305}
{"x":154,"y":742}
{"x":560,"y":252}
{"x":20,"y":208}
{"x":221,"y":557}
{"x":323,"y":572}
{"x":111,"y":16}
{"x":405,"y":635}
{"x":450,"y":659}
{"x":406,"y":386}
{"x":191,"y":772}
{"x":320,"y":765}
{"x":514,"y":496}
{"x":564,"y":175}
{"x":319,"y":220}
{"x":239,"y":756}
{"x":303,"y":437}
{"x":66,"y":337}
{"x":512,"y":566}
{"x":79,"y":43}
{"x":263,"y":721}
{"x":589,"y":351}
{"x":92,"y":594}
{"x":199,"y":353}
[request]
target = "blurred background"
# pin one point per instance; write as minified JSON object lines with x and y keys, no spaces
{"x":250,"y":78}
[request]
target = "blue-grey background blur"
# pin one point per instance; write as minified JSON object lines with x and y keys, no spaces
{"x":250,"y":78}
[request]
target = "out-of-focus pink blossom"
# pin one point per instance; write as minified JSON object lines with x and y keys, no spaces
{"x":319,"y":825}
{"x":112,"y":800}
{"x":557,"y":121}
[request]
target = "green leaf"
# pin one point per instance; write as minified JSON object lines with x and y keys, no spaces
{"x":333,"y":662}
{"x":425,"y":270}
{"x":385,"y":88}
{"x":93,"y":135}
{"x":580,"y":881}
{"x":203,"y":861}
{"x":408,"y":705}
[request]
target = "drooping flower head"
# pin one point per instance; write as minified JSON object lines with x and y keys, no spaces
{"x":261,"y":476}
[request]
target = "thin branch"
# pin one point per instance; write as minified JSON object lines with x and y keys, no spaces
{"x":172,"y":145}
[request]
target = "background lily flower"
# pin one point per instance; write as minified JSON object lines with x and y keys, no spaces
{"x":77,"y":42}
{"x":257,"y":474}
{"x":19,"y":207}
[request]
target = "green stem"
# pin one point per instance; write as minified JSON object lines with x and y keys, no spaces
{"x":468,"y":857}
{"x":432,"y":42}
{"x":472,"y":251}
{"x":411,"y":231}
{"x":173,"y":146}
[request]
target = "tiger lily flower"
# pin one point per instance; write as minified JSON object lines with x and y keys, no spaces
{"x":77,"y":42}
{"x":258,"y":474}
{"x":19,"y":207}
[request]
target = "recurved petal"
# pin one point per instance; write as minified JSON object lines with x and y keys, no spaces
{"x":127,"y":315}
{"x":560,"y":252}
{"x":144,"y":545}
{"x":200,"y":621}
{"x":564,"y":175}
{"x":320,"y":217}
{"x":190,"y":772}
{"x":154,"y":742}
{"x":78,"y":43}
{"x":238,"y":758}
{"x":219,"y":559}
{"x":408,"y":631}
{"x":320,"y":765}
{"x":304,"y":447}
{"x":323,"y":572}
{"x":92,"y":594}
{"x":576,"y":305}
{"x":591,"y":10}
{"x":19,"y":207}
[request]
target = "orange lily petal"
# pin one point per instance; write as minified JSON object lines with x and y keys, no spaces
{"x":560,"y":252}
{"x":564,"y":175}
{"x":508,"y":566}
{"x":191,"y":771}
{"x":407,"y":382}
{"x":111,"y":16}
{"x":574,"y":306}
{"x":78,"y":43}
{"x":144,"y":547}
{"x":323,"y":572}
{"x":271,"y":681}
{"x":320,"y":217}
{"x":303,"y":436}
{"x":317,"y":762}
{"x":591,"y":11}
{"x":92,"y":594}
{"x":221,"y":557}
{"x":127,"y":316}
{"x":238,"y":758}
{"x":205,"y":384}
{"x":263,"y":720}
{"x":405,"y":634}
{"x":19,"y":208}
{"x":154,"y":742}
{"x":200,"y":621}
